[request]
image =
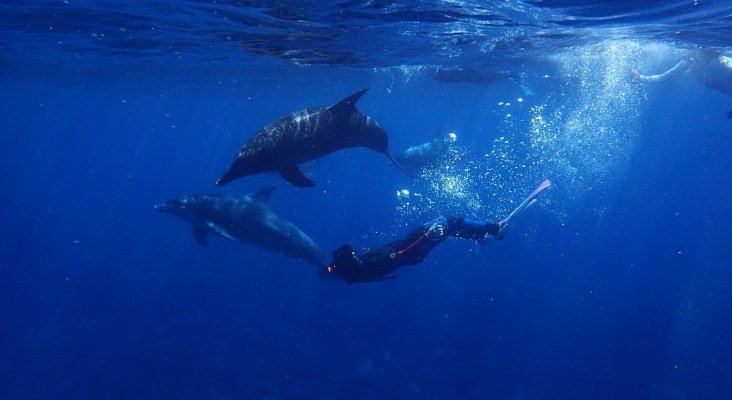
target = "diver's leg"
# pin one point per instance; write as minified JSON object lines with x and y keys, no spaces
{"x":472,"y":229}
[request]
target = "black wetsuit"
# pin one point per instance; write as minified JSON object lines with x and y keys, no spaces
{"x":379,"y":263}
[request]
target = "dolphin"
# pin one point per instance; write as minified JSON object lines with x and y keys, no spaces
{"x":428,"y":154}
{"x":305,"y":135}
{"x":248,"y":219}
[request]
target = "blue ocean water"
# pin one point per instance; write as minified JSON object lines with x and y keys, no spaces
{"x":616,"y":284}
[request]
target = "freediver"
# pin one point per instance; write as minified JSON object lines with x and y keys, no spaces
{"x":378,"y":264}
{"x":710,"y":68}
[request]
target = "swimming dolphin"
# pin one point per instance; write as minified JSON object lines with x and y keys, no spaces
{"x":248,"y":219}
{"x":305,"y":135}
{"x":428,"y":154}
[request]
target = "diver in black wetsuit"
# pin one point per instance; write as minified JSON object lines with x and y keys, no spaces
{"x":378,"y":264}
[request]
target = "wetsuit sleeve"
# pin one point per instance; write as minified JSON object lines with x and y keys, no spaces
{"x":412,"y":249}
{"x":415,"y":247}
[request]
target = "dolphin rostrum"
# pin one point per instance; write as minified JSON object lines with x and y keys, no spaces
{"x":305,"y":135}
{"x":248,"y":219}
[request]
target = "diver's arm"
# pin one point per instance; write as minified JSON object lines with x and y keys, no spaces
{"x":434,"y":233}
{"x":675,"y":70}
{"x":416,"y":240}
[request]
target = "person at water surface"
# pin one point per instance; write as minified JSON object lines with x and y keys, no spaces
{"x":428,"y":154}
{"x":710,"y":68}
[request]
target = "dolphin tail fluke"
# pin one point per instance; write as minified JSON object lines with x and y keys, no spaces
{"x":394,"y":161}
{"x":292,"y":174}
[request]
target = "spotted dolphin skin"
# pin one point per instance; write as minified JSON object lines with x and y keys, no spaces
{"x":305,"y":135}
{"x":247,"y":219}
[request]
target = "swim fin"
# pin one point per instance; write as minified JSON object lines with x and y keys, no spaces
{"x":525,"y":204}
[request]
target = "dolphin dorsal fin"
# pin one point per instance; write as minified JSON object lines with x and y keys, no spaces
{"x":262,"y":195}
{"x":347,"y":105}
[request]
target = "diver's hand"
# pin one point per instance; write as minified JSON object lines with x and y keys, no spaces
{"x":501,"y":233}
{"x":635,"y":75}
{"x":502,"y":226}
{"x":435,"y":232}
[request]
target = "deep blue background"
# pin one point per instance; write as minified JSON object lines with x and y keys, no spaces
{"x":627,"y":296}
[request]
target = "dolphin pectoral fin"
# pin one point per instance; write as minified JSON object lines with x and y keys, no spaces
{"x":292,"y":174}
{"x":221,"y":231}
{"x":394,"y":161}
{"x":201,"y":235}
{"x":347,"y":105}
